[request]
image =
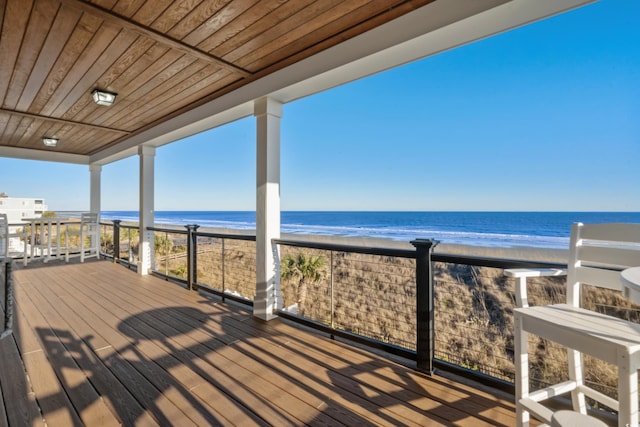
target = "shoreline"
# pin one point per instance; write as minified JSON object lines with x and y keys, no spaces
{"x":526,"y":236}
{"x":521,"y":253}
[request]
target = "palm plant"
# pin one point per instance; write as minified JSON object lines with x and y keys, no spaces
{"x":162,"y":244}
{"x":306,"y":269}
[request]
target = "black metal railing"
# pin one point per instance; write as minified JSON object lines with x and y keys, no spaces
{"x":221,"y":264}
{"x":338,"y":300}
{"x":6,"y":278}
{"x":398,"y":301}
{"x":172,"y":251}
{"x":445,"y":311}
{"x":120,"y":242}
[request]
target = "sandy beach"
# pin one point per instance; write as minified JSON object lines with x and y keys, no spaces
{"x":521,"y":253}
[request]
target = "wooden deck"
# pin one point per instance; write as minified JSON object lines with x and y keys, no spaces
{"x":103,"y":346}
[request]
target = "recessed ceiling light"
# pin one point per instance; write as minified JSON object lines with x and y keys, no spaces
{"x":102,"y":97}
{"x":50,"y":142}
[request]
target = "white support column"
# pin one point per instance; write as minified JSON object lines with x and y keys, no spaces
{"x":95,"y":189}
{"x":268,"y":113}
{"x":146,"y":248}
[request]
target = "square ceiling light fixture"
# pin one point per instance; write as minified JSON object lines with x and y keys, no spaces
{"x":49,"y":142}
{"x":102,"y":97}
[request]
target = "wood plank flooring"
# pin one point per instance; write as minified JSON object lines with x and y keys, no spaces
{"x":97,"y":345}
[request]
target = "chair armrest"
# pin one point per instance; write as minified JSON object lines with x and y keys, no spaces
{"x":522,"y":273}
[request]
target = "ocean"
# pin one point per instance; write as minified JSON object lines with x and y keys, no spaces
{"x":490,"y":229}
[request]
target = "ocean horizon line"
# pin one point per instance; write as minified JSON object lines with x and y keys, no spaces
{"x":541,"y":229}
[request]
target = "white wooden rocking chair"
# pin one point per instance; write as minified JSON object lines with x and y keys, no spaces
{"x":598,"y":252}
{"x":6,"y":235}
{"x":87,"y":234}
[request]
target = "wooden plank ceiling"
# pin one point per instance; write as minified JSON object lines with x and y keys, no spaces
{"x":161,"y":57}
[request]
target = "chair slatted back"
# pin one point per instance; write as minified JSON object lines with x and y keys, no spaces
{"x":89,"y":217}
{"x":91,"y":228}
{"x":598,"y":252}
{"x":89,"y":221}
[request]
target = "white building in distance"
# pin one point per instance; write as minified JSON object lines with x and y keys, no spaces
{"x":18,"y":208}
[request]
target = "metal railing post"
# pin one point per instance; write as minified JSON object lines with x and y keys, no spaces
{"x":222,"y":265}
{"x":332,"y":300}
{"x":116,"y":240}
{"x":192,"y":257}
{"x":166,"y":253}
{"x":130,"y":254}
{"x":424,"y":305}
{"x":8,"y":301}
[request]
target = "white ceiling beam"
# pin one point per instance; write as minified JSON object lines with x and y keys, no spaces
{"x":44,"y":155}
{"x":171,"y":131}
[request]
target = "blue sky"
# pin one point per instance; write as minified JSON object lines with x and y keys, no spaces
{"x":544,"y":117}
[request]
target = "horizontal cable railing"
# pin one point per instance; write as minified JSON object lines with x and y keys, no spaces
{"x":342,"y":298}
{"x":221,"y":264}
{"x":369,"y":295}
{"x":170,"y":250}
{"x":120,"y":242}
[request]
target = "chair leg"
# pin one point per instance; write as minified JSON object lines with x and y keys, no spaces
{"x":66,"y":247}
{"x":522,"y":370}
{"x":33,"y":239}
{"x":576,"y":375}
{"x":627,"y":392}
